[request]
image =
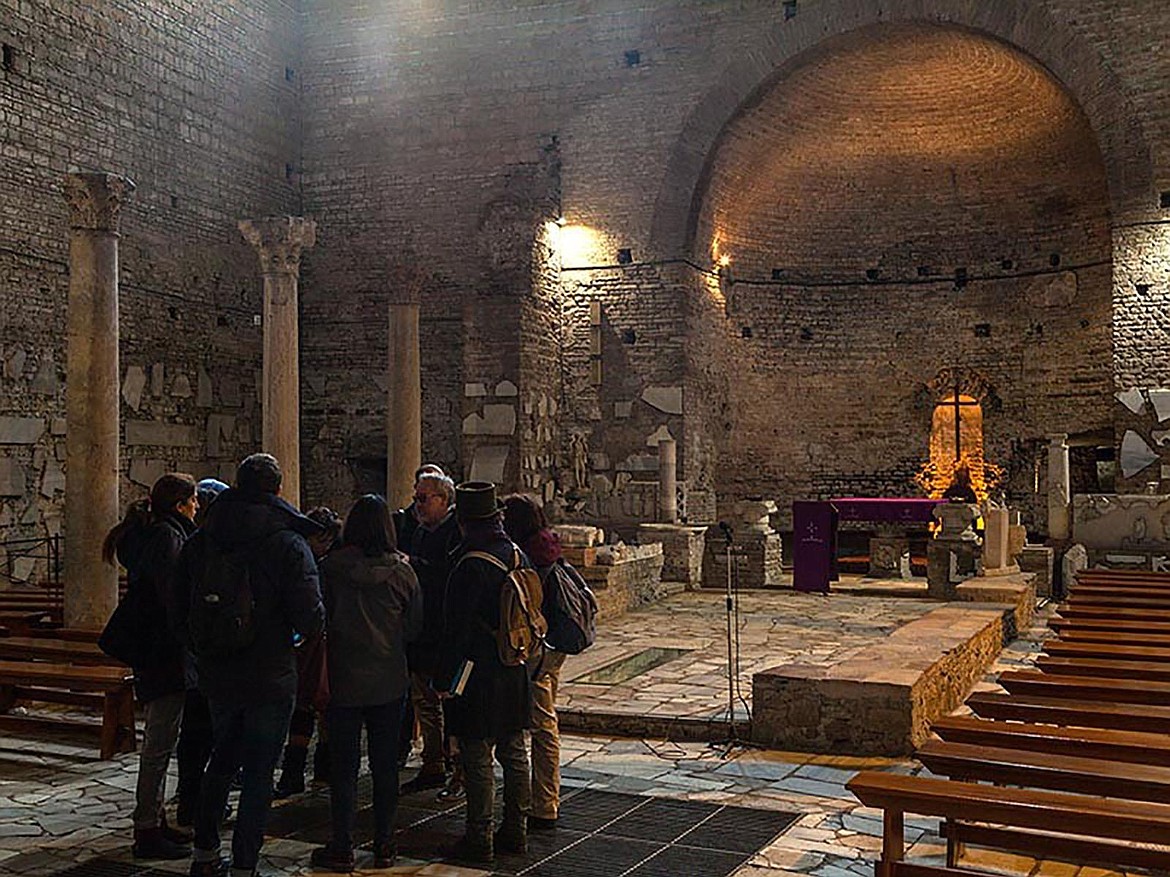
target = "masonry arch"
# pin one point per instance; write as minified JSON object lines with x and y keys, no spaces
{"x":1021,"y":24}
{"x":900,"y":196}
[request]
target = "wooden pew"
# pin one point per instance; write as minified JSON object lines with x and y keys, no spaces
{"x":106,"y":688}
{"x":1103,"y":667}
{"x":1044,"y":824}
{"x":1126,"y":746}
{"x":1147,"y":627}
{"x":36,"y":648}
{"x":1156,"y":592}
{"x":1083,"y":714}
{"x":1080,"y":611}
{"x":1122,"y":575}
{"x":1122,"y":601}
{"x":1081,"y":634}
{"x":1046,"y":770}
{"x":1109,"y":651}
{"x":1082,"y":688}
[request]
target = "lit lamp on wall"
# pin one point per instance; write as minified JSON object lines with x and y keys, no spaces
{"x":726,"y":280}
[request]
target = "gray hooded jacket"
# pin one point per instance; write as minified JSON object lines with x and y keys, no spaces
{"x":373,"y":607}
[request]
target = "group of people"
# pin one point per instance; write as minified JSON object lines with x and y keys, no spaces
{"x":364,"y":621}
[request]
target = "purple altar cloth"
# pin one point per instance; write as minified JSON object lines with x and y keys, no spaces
{"x":814,"y":548}
{"x":911,"y":511}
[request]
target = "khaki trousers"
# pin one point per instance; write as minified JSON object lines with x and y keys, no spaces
{"x":546,"y":738}
{"x":428,"y":709}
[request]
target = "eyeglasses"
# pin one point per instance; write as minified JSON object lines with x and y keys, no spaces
{"x":424,"y":497}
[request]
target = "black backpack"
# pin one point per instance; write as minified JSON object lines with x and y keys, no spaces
{"x":223,"y":607}
{"x":569,"y":608}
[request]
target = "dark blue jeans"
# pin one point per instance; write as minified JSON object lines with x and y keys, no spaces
{"x":345,"y":752}
{"x":248,"y":737}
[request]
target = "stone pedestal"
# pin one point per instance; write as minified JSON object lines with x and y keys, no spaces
{"x":886,"y":549}
{"x":951,"y":555}
{"x":1038,"y":561}
{"x":1058,"y":488}
{"x":279,"y":241}
{"x":91,"y":394}
{"x":404,"y":406}
{"x":682,"y":551}
{"x":756,"y":553}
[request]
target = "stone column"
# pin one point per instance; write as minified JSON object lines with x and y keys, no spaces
{"x":667,"y":481}
{"x":278,"y":241}
{"x":404,"y":405}
{"x":1058,"y":487}
{"x":91,"y":394}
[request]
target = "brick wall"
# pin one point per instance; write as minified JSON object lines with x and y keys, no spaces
{"x":198,"y":104}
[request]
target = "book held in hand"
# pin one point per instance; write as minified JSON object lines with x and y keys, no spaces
{"x":459,"y":682}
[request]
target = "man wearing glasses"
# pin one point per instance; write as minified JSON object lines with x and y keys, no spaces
{"x":434,"y":538}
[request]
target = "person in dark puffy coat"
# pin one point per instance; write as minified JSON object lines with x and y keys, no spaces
{"x":251,"y":691}
{"x":147,"y":543}
{"x":374,"y":608}
{"x":495,"y":708}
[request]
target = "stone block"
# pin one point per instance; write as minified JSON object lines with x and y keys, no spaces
{"x":682,"y":551}
{"x":46,"y":382}
{"x":52,"y":479}
{"x":506,"y":388}
{"x":14,"y":364}
{"x":21,"y":430}
{"x":167,"y":435}
{"x":475,"y":390}
{"x":181,"y":388}
{"x":12,"y":478}
{"x":203,"y":396}
{"x":133,"y":385}
{"x":1038,"y":560}
{"x":488,"y":463}
{"x":146,"y":472}
{"x":579,"y":535}
{"x":158,"y":379}
{"x":495,"y":420}
{"x":668,"y":400}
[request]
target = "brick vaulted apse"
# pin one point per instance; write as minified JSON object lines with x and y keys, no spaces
{"x":901,"y":205}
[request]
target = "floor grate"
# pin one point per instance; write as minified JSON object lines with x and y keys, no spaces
{"x":614,"y":834}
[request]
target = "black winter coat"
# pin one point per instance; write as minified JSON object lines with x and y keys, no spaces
{"x":431,"y":556}
{"x":374,"y":609}
{"x":285,"y":589}
{"x":497,"y":699}
{"x":151,"y":557}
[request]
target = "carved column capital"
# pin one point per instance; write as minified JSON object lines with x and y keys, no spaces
{"x":95,"y":199}
{"x":279,"y":240}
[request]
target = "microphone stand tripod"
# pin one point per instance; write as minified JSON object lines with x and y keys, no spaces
{"x":732,"y":607}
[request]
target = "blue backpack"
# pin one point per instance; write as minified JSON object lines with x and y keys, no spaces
{"x":569,"y":608}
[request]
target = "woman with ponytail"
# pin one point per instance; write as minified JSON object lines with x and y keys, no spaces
{"x":147,"y":543}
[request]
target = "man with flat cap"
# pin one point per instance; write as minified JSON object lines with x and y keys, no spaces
{"x":493,"y":710}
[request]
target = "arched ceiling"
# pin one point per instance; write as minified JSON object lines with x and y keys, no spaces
{"x":905,"y":145}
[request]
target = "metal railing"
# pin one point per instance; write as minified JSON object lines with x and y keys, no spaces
{"x":46,"y":548}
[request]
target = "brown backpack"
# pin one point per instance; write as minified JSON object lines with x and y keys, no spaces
{"x":521,"y":627}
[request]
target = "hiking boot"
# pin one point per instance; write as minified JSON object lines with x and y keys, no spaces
{"x":213,"y":868}
{"x":327,"y":858}
{"x":151,"y":843}
{"x":385,"y":852}
{"x":175,"y":835}
{"x":427,"y":779}
{"x":539,"y":823}
{"x":472,"y":849}
{"x":510,"y":840}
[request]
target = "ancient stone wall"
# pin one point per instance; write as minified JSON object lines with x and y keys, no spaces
{"x":199,"y":106}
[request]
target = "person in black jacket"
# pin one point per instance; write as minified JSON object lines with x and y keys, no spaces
{"x":374,"y":608}
{"x":251,"y":691}
{"x":147,"y":543}
{"x":495,"y":708}
{"x":434,"y":538}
